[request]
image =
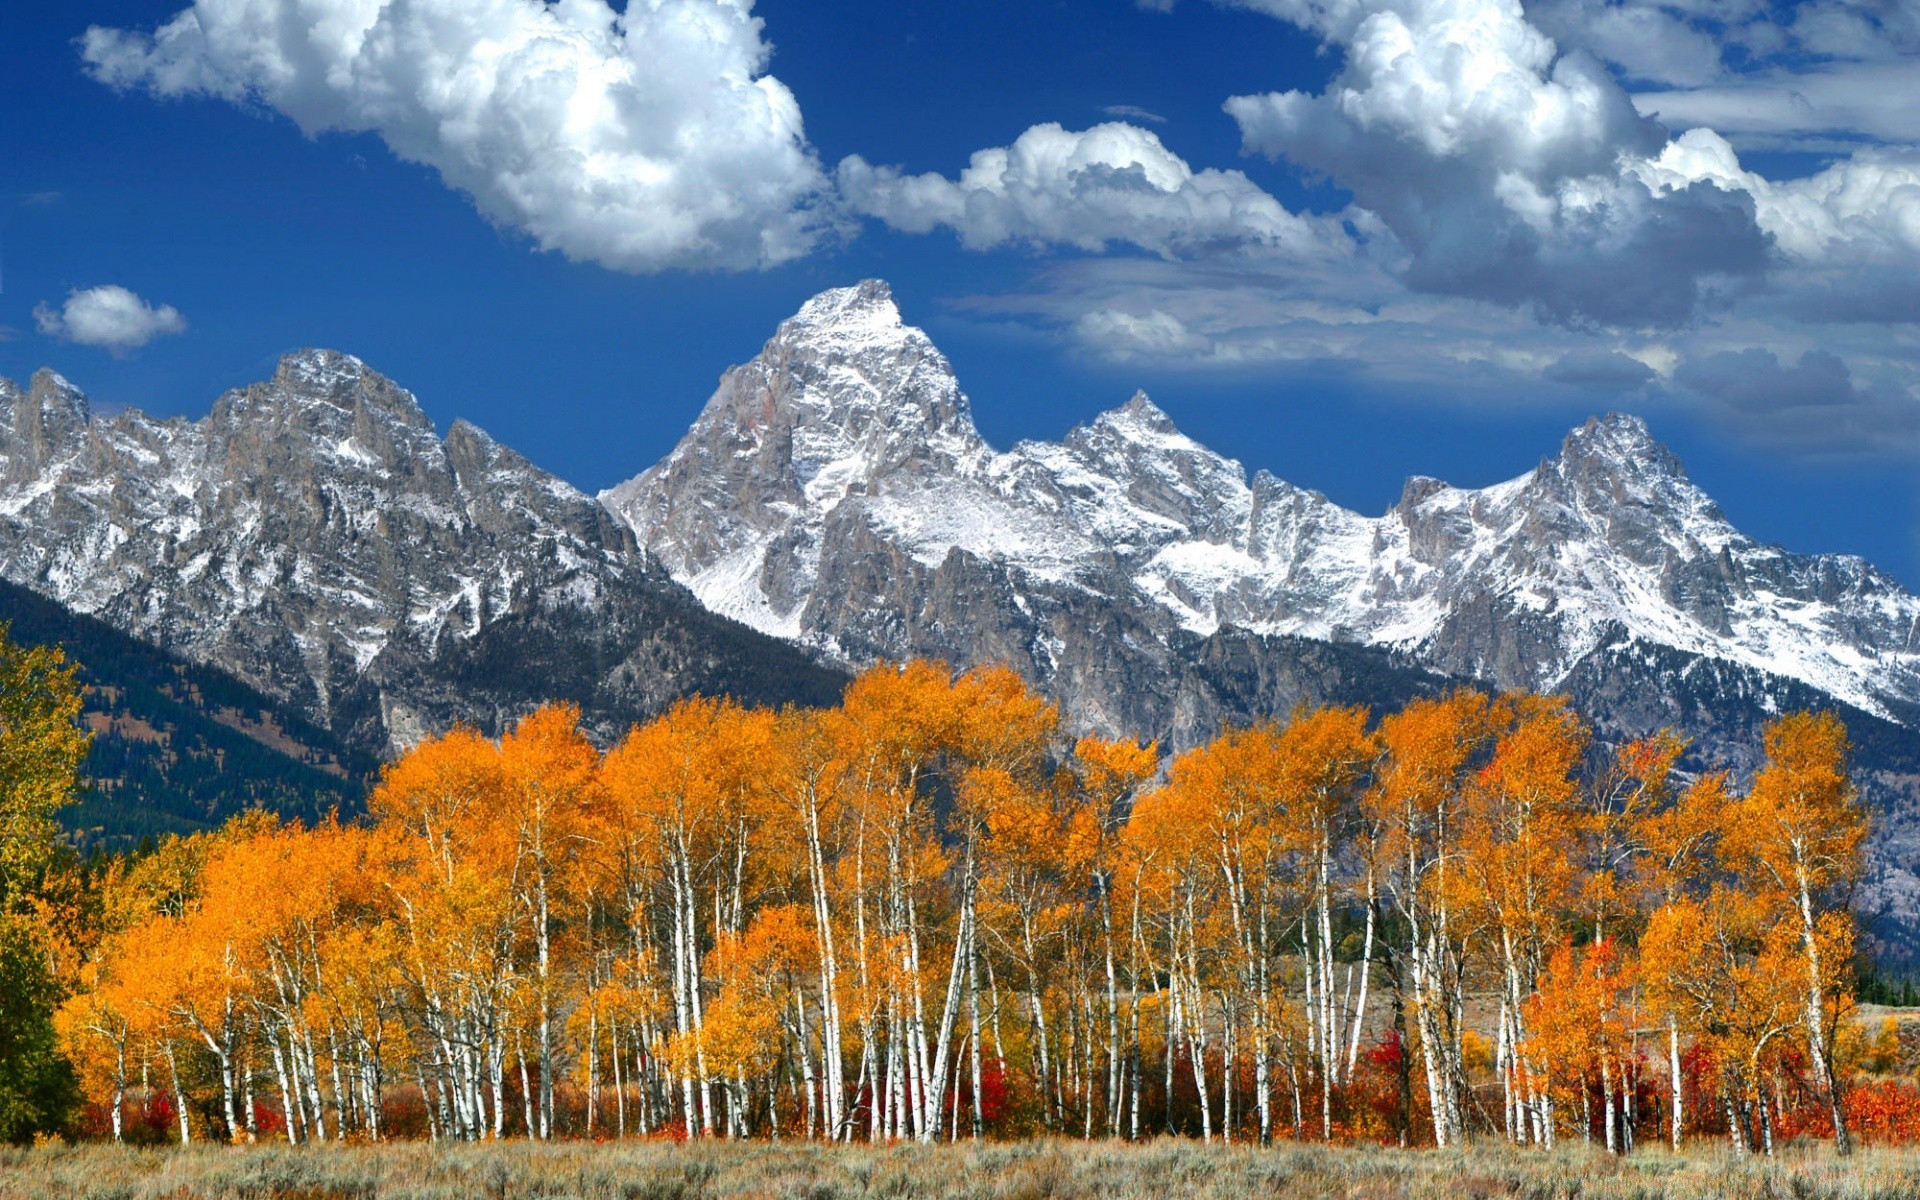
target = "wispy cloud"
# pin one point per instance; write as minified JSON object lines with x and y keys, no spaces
{"x":1130,"y":112}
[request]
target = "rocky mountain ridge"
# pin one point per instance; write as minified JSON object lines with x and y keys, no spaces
{"x":834,"y":491}
{"x":317,"y":538}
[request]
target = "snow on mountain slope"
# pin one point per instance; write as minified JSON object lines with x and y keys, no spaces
{"x":848,"y":441}
{"x":314,"y":535}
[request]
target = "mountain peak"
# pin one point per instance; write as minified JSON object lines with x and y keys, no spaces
{"x":1620,"y":439}
{"x":57,"y":403}
{"x":865,"y":311}
{"x":47,"y":421}
{"x":868,"y":293}
{"x":319,"y":369}
{"x":1416,"y":489}
{"x":341,"y":381}
{"x":1140,"y":413}
{"x":49,"y":382}
{"x":847,"y":362}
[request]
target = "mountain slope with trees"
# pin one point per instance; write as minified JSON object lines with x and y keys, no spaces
{"x":178,"y":747}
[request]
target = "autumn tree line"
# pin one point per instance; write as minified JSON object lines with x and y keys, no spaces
{"x":927,"y":914}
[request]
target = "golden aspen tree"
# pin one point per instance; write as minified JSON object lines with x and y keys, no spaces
{"x":1797,"y":841}
{"x":1636,"y":787}
{"x":191,"y":968}
{"x":807,"y":771}
{"x":1142,"y":888}
{"x":1029,"y":876}
{"x":1001,"y":738}
{"x":1728,"y":966}
{"x":450,"y":879}
{"x":1108,"y":775}
{"x":1520,"y":843}
{"x":897,"y":724}
{"x":1678,"y":862}
{"x":1240,"y":786}
{"x":1325,"y":758}
{"x":1176,"y":834}
{"x":1579,"y":1024}
{"x":683,"y":794}
{"x":549,"y":771}
{"x":99,"y":1035}
{"x":291,"y":891}
{"x":1416,"y":803}
{"x":361,"y":1006}
{"x":129,"y":1005}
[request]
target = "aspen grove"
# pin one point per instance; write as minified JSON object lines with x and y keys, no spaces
{"x":928,"y":914}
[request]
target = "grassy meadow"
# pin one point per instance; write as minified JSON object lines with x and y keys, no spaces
{"x":1035,"y":1170}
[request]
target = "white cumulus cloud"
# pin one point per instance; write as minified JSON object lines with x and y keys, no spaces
{"x":1499,"y":163}
{"x":110,"y":317}
{"x":1848,"y":236}
{"x":1860,"y":209}
{"x":1115,"y":183}
{"x":643,"y":139}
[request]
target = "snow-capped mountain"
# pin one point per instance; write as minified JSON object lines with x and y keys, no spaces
{"x":835,"y":491}
{"x":314,"y":536}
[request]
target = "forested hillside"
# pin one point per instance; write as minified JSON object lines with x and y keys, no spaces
{"x":180,"y":747}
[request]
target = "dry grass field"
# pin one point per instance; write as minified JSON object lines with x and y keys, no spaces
{"x":1040,"y":1170}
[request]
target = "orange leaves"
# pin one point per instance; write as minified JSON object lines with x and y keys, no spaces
{"x":1535,"y":759}
{"x":779,"y":942}
{"x":896,"y":719}
{"x":1429,"y":744}
{"x":1000,"y":722}
{"x":1800,"y":827}
{"x":829,"y":915}
{"x":550,"y":773}
{"x":689,"y":773}
{"x":1727,"y":974}
{"x":437,"y":784}
{"x":1110,"y":771}
{"x":1581,"y":1017}
{"x":1325,"y":756}
{"x":1523,"y":822}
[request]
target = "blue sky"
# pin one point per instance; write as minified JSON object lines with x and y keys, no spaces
{"x":1345,"y":240}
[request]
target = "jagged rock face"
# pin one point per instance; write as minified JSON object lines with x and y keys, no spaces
{"x":316,"y":537}
{"x":835,"y":491}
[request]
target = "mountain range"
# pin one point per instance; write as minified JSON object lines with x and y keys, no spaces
{"x":833,"y":505}
{"x":315,"y":536}
{"x":835,"y":492}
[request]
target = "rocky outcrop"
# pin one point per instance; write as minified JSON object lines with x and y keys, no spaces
{"x":315,"y":536}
